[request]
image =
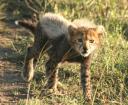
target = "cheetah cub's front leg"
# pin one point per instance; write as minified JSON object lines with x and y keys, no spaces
{"x":53,"y":85}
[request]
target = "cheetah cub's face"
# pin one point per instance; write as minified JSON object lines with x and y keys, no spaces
{"x":85,"y":40}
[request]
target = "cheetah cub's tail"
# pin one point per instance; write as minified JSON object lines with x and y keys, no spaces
{"x":28,"y":24}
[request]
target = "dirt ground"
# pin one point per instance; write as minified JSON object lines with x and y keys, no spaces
{"x":11,"y":84}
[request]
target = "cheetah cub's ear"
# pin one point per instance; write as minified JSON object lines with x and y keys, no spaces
{"x":72,"y":30}
{"x":101,"y":30}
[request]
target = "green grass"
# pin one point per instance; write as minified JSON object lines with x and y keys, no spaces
{"x":109,"y":70}
{"x":109,"y":76}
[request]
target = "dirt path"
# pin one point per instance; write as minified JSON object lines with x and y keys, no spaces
{"x":12,"y":87}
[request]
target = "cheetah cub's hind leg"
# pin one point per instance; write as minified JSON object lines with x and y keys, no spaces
{"x":28,"y":70}
{"x":32,"y":55}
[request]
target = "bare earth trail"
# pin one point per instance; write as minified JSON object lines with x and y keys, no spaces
{"x":11,"y":84}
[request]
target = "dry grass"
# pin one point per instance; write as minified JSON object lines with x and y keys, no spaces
{"x":110,"y":65}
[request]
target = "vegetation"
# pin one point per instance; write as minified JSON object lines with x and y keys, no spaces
{"x":110,"y":65}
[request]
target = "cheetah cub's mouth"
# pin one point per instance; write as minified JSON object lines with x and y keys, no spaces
{"x":87,"y":52}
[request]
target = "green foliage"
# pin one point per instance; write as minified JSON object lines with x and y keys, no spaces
{"x":94,"y":9}
{"x":109,"y":67}
{"x":14,"y":8}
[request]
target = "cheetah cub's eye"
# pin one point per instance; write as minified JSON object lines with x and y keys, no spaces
{"x":80,"y":40}
{"x":91,"y":41}
{"x":81,"y":33}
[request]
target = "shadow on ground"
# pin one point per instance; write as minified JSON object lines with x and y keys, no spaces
{"x":12,"y":87}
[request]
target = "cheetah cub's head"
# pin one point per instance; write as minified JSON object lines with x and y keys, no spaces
{"x":85,"y":40}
